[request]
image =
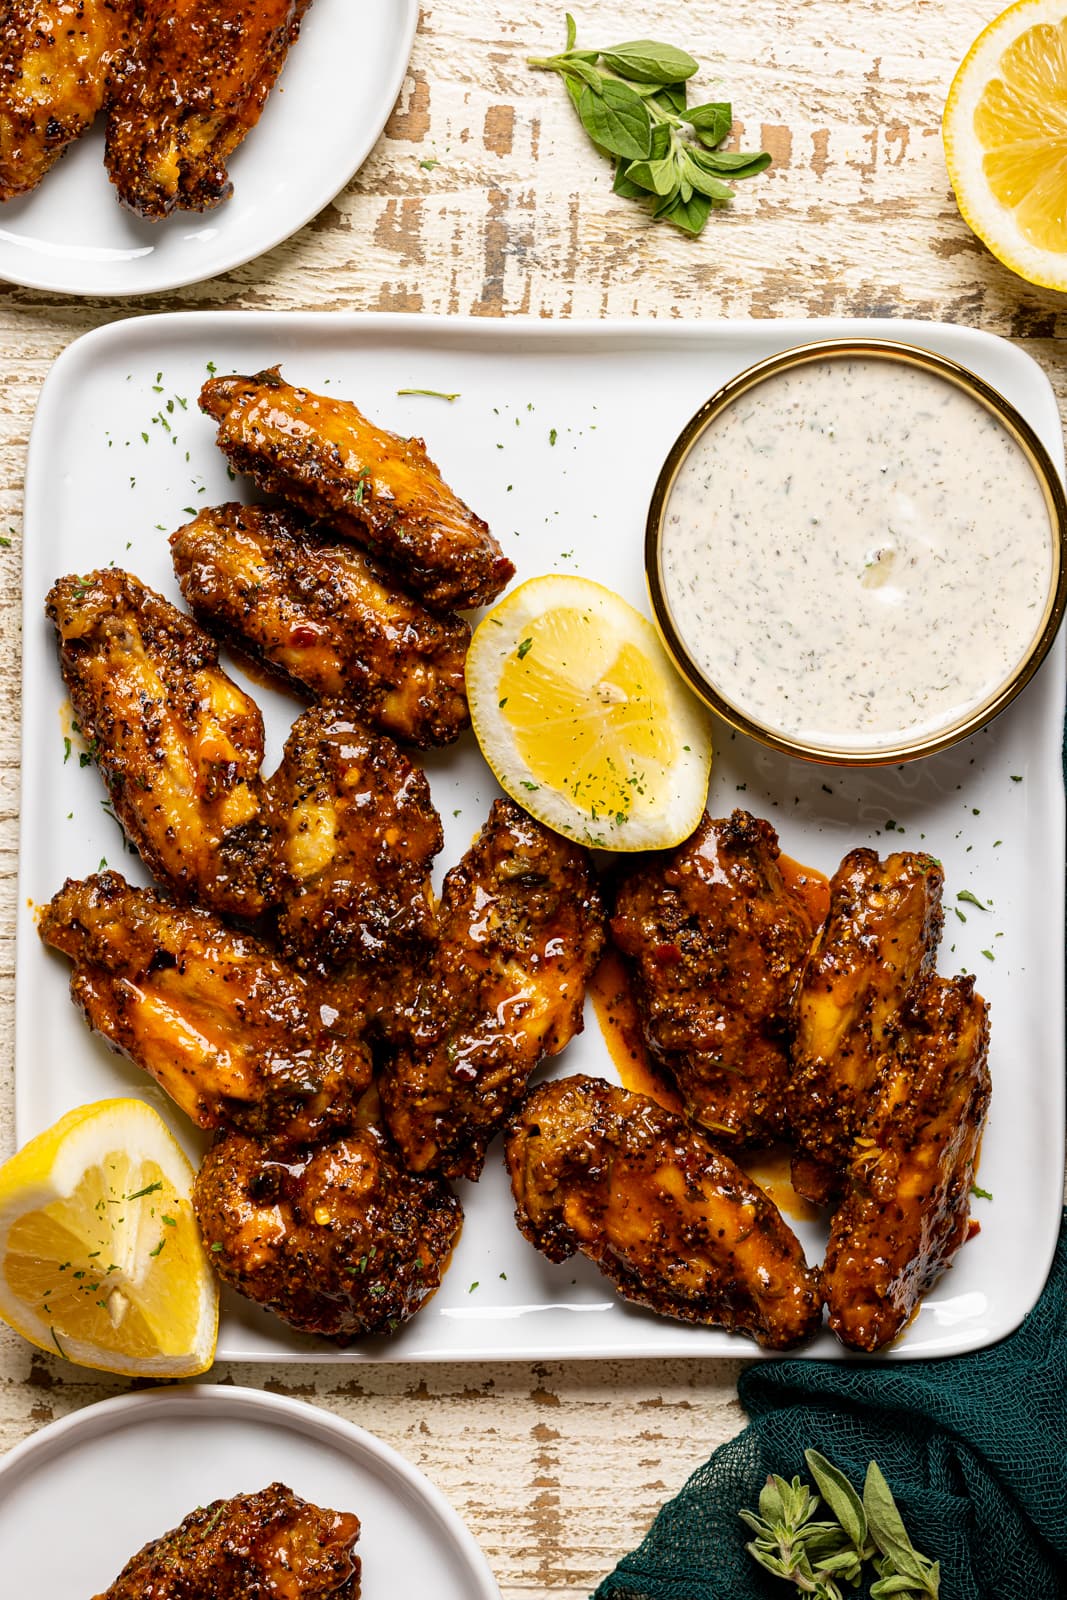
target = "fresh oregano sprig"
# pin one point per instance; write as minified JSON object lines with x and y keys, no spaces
{"x":632,"y":100}
{"x":901,"y":1569}
{"x":818,"y":1557}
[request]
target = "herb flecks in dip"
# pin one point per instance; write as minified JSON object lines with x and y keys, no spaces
{"x":856,"y":553}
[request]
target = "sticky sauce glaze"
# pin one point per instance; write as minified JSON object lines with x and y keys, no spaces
{"x":856,"y":550}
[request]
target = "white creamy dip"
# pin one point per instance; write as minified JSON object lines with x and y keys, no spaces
{"x":855,"y":552}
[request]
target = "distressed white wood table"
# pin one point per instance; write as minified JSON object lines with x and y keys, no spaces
{"x":484,"y":197}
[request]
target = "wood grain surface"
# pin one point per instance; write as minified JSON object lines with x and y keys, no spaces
{"x":483,"y":196}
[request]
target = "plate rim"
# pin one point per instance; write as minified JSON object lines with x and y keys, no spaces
{"x":561,"y":331}
{"x":407,"y":13}
{"x":113,"y":1414}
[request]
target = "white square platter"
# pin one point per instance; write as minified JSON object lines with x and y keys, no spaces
{"x":556,"y":437}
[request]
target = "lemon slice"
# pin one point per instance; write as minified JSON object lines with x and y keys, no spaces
{"x":100,"y":1254}
{"x":1005,"y":130}
{"x":584,"y":720}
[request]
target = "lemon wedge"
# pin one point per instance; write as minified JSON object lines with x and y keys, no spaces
{"x":100,"y":1254}
{"x":583,"y":718}
{"x":1005,"y":131}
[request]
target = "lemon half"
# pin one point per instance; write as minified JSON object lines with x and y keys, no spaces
{"x":584,"y":720}
{"x":100,"y":1254}
{"x":1005,"y":131}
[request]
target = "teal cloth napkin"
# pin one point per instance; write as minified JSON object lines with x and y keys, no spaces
{"x":974,"y":1448}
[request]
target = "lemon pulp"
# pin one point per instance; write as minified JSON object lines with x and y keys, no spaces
{"x":584,"y":720}
{"x":1021,"y":122}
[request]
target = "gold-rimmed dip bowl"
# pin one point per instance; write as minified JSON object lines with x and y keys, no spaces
{"x":856,"y":552}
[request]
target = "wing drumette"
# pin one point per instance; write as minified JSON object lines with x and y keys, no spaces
{"x":192,"y":84}
{"x":270,"y":1543}
{"x":319,"y":612}
{"x":54,"y":61}
{"x":717,"y":940}
{"x":323,"y":455}
{"x":879,"y":939}
{"x":521,"y":927}
{"x":179,"y":745}
{"x":670,"y":1220}
{"x":338,"y":1240}
{"x":906,"y":1208}
{"x":233,"y":1036}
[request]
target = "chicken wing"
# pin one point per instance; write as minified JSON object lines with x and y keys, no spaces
{"x":670,"y":1220}
{"x":54,"y":60}
{"x":383,"y":491}
{"x":879,"y":939}
{"x":320,"y":613}
{"x":717,"y":940}
{"x":338,"y":1241}
{"x":905,"y":1212}
{"x":521,"y":927}
{"x":270,"y":1543}
{"x":191,"y":85}
{"x":178,"y":743}
{"x":356,"y":832}
{"x":233,"y":1036}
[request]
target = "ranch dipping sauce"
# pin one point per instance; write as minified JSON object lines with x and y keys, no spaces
{"x":856,"y":553}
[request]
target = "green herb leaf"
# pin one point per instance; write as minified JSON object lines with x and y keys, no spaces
{"x":624,"y":184}
{"x":712,"y":121}
{"x":658,"y":177}
{"x":888,"y":1531}
{"x":572,"y":30}
{"x":979,"y":1193}
{"x":897,"y":1583}
{"x":689,"y":215}
{"x":671,"y":97}
{"x":617,"y":120}
{"x":840,"y":1497}
{"x":704,"y":183}
{"x":152,"y":1188}
{"x":734,"y":163}
{"x":645,"y":61}
{"x":971,"y":899}
{"x":577,"y":67}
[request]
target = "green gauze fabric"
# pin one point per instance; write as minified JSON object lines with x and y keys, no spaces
{"x":974,"y":1448}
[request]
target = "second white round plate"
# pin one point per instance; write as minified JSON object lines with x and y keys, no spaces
{"x":335,"y":93}
{"x":120,"y":1473}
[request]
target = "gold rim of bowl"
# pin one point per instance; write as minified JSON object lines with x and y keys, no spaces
{"x":1027,"y":440}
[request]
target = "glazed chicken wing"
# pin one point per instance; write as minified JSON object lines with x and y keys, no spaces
{"x":338,"y":1241}
{"x":879,"y":939}
{"x":670,"y":1220}
{"x":270,"y":1543}
{"x":717,"y":940}
{"x":356,"y":833}
{"x":54,"y":60}
{"x":906,"y":1208}
{"x":233,"y":1036}
{"x":383,"y":491}
{"x":179,"y":745}
{"x":521,"y":927}
{"x":189,"y":88}
{"x":319,"y":612}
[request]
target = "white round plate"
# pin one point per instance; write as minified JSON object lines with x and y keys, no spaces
{"x":78,"y":1499}
{"x":322,"y":119}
